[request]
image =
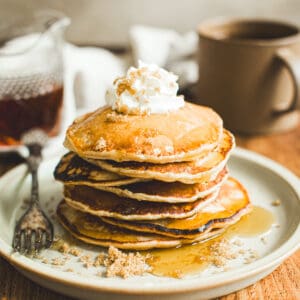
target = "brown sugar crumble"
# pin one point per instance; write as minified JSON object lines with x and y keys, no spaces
{"x":85,"y":258}
{"x":74,"y":251}
{"x":61,"y":245}
{"x":276,"y":202}
{"x":242,"y":251}
{"x":123,"y":264}
{"x":58,"y":261}
{"x":263,"y":240}
{"x":101,"y":144}
{"x":252,"y":256}
{"x":221,"y":252}
{"x":64,"y":248}
{"x":45,"y":260}
{"x":114,"y":117}
{"x":238,"y":242}
{"x":99,"y":260}
{"x":100,"y":273}
{"x":69,"y":270}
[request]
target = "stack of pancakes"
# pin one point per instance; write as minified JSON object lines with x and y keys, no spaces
{"x":149,"y":181}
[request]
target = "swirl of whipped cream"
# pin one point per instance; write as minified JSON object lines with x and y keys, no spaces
{"x":147,"y":89}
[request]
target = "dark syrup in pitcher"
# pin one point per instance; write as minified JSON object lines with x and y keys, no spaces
{"x":19,"y":115}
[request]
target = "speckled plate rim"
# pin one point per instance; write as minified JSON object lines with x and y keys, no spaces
{"x":268,"y":262}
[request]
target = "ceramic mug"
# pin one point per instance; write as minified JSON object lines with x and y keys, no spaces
{"x":249,"y":72}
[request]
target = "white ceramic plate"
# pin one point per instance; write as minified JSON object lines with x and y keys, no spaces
{"x":265,"y":181}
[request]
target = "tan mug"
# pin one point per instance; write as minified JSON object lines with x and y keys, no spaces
{"x":249,"y":72}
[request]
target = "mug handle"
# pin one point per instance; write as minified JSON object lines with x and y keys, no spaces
{"x":292,"y":63}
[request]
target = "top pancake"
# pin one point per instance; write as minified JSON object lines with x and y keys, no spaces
{"x":181,"y":135}
{"x":199,"y":170}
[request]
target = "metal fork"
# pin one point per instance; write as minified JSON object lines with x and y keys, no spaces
{"x":34,"y":230}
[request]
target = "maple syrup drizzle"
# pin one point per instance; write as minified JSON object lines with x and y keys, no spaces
{"x":191,"y":259}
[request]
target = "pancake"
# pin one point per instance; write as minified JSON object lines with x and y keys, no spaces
{"x":181,"y":135}
{"x":92,"y":230}
{"x":101,"y":203}
{"x":204,"y":169}
{"x":231,"y":204}
{"x":171,"y":192}
{"x":72,"y":169}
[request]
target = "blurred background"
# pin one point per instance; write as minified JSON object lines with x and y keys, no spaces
{"x":106,"y":22}
{"x":162,"y":32}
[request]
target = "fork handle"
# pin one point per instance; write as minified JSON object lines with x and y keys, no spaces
{"x":34,"y":159}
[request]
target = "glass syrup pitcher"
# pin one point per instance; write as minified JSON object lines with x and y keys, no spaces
{"x":31,"y":75}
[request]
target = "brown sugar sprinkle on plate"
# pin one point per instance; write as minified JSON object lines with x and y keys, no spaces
{"x":119,"y":263}
{"x":276,"y":202}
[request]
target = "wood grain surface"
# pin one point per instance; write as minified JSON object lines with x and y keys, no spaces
{"x":282,"y":284}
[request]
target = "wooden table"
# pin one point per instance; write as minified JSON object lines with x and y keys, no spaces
{"x":283,"y":283}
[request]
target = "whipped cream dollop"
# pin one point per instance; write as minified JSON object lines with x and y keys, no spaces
{"x":147,"y":89}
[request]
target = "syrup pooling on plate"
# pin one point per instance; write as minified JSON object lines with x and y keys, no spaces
{"x":257,"y":222}
{"x":192,"y":259}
